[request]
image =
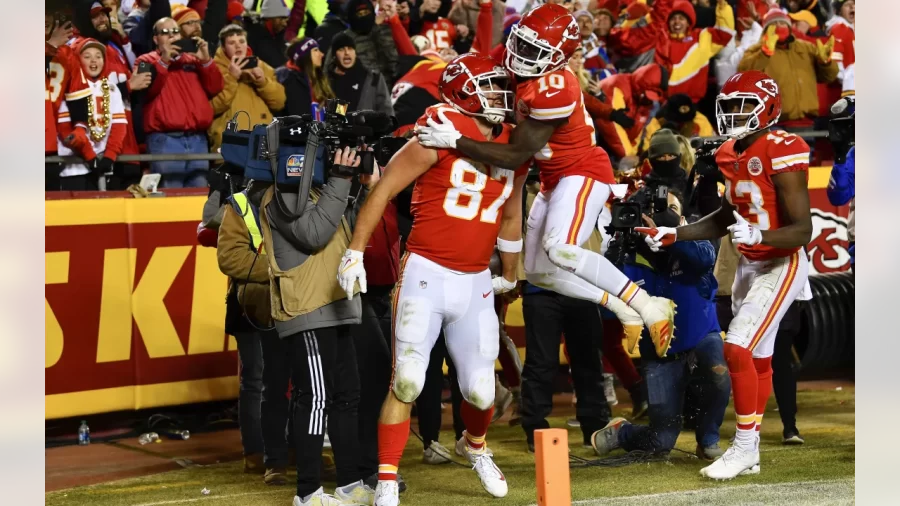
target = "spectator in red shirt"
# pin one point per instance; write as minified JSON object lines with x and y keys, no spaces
{"x":440,"y":31}
{"x":177,"y":111}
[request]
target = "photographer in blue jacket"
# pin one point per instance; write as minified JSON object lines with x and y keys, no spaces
{"x":682,"y":273}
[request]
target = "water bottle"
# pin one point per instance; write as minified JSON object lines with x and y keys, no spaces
{"x":84,"y":433}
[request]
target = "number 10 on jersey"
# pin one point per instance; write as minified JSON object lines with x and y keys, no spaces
{"x":468,"y":209}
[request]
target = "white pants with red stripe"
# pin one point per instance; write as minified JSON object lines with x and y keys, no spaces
{"x":429,"y":297}
{"x":761,"y":295}
{"x":572,"y":207}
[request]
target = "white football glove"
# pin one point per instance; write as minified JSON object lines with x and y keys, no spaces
{"x":351,"y":271}
{"x":438,"y":135}
{"x":742,"y":232}
{"x":658,"y":237}
{"x":502,"y":285}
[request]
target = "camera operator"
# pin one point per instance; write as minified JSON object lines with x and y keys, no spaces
{"x":841,"y":185}
{"x":683,"y":273}
{"x":673,"y":164}
{"x":313,"y":315}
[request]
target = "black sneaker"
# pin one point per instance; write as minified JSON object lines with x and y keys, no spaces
{"x":791,"y":437}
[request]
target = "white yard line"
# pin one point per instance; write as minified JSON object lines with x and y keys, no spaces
{"x":797,"y":493}
{"x":212,"y":496}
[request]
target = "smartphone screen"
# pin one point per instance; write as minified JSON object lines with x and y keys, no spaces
{"x":186,"y":45}
{"x":252,"y":63}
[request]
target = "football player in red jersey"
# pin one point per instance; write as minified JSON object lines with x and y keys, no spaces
{"x":555,"y":128}
{"x":460,"y":211}
{"x":766,"y":209}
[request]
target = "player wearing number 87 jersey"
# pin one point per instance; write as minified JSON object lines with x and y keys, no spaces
{"x":554,"y":127}
{"x":460,"y":210}
{"x":766,"y":209}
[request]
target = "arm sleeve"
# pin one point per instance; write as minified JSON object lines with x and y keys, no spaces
{"x":484,"y":29}
{"x":387,"y":49}
{"x":842,"y":184}
{"x":699,"y":256}
{"x":65,"y":127}
{"x":319,"y":221}
{"x":272,"y":92}
{"x":118,"y":129}
{"x":234,"y":252}
{"x":211,"y":78}
{"x":295,"y":20}
{"x":222,"y":101}
{"x":400,"y":37}
{"x":788,"y":157}
{"x":553,"y":103}
{"x":159,"y":80}
{"x":213,"y":21}
{"x":753,"y":59}
{"x":598,"y":109}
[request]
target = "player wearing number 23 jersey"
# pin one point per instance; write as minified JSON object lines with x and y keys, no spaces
{"x":749,"y":186}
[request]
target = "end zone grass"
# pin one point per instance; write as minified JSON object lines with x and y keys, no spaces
{"x":819,"y":472}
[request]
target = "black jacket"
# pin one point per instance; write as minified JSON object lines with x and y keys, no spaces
{"x":297,"y":90}
{"x":267,"y":47}
{"x":364,"y":89}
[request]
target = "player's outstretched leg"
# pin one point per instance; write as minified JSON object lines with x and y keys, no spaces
{"x":657,"y":313}
{"x":472,"y":445}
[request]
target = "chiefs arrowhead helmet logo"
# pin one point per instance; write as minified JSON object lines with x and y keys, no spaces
{"x":452,"y":72}
{"x":572,"y":31}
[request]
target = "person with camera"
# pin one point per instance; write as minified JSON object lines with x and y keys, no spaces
{"x":304,"y":240}
{"x":682,"y":273}
{"x":177,"y":111}
{"x":673,"y":164}
{"x":841,"y":185}
{"x":250,"y":85}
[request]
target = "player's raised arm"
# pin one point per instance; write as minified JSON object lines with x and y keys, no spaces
{"x":509,"y":241}
{"x":408,"y":164}
{"x":793,"y":197}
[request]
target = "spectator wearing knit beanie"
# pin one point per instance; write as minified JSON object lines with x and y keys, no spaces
{"x":188,"y":20}
{"x":303,"y":78}
{"x":266,"y":35}
{"x":351,"y":81}
{"x":375,"y":47}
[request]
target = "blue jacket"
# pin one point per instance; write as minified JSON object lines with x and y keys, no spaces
{"x":842,"y":187}
{"x":686,"y":277}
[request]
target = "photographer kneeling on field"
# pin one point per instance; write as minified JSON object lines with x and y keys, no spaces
{"x":304,"y":239}
{"x":683,"y":273}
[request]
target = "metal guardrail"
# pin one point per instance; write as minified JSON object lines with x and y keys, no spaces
{"x":216,"y":157}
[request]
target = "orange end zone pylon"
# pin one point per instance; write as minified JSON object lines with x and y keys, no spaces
{"x":551,"y":458}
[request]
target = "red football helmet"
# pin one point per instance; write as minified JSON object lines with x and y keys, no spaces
{"x":542,"y":42}
{"x":749,"y":101}
{"x":476,"y":86}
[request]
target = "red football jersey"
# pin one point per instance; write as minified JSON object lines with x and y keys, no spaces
{"x":749,"y":187}
{"x":63,"y":80}
{"x":456,"y":208}
{"x":441,"y":33}
{"x":572,"y":149}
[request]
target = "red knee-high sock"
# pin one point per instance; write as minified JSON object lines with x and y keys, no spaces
{"x":476,"y":422}
{"x":764,"y":387}
{"x":744,"y":385}
{"x":615,"y":353}
{"x":391,"y":442}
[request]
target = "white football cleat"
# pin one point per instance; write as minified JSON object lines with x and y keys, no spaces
{"x":318,"y":498}
{"x":387,"y":493}
{"x":734,"y":462}
{"x":491,"y":476}
{"x":355,"y":493}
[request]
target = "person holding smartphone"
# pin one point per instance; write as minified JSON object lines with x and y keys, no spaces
{"x":250,"y":86}
{"x":177,"y":110}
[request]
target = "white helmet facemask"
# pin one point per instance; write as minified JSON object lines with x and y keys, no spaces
{"x":529,"y":56}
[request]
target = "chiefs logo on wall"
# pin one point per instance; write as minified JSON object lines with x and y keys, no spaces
{"x":828,"y":249}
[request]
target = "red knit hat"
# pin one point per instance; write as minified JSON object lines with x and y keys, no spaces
{"x":235,"y":9}
{"x":775,"y":15}
{"x":182,"y":14}
{"x":685,"y":7}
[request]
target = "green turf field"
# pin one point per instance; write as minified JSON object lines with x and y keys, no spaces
{"x":820,"y":472}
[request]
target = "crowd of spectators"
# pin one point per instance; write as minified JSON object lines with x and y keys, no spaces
{"x":169,"y":76}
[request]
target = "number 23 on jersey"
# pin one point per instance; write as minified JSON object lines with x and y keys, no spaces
{"x":464,"y":200}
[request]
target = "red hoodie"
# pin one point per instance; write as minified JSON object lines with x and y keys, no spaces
{"x":625,"y":91}
{"x":690,"y":54}
{"x":178,"y":98}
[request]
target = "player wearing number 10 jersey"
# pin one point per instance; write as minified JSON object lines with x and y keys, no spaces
{"x":554,"y":127}
{"x":766,"y":208}
{"x":459,"y":207}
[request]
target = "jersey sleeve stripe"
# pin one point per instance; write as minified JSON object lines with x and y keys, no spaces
{"x":75,"y":95}
{"x":559,"y":112}
{"x":788,"y":161}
